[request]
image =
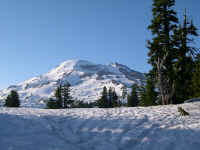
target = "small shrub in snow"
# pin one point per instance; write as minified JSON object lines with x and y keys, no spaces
{"x":182,"y":112}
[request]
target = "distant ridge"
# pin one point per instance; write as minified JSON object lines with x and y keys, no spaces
{"x":87,"y":80}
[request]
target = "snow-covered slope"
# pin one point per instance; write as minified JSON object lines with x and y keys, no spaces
{"x":87,"y":80}
{"x":151,"y":128}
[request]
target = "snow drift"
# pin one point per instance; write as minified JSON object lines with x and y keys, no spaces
{"x":151,"y":128}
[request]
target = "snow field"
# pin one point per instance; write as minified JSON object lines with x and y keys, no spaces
{"x":151,"y":128}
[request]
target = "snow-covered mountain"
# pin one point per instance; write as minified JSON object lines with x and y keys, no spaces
{"x":87,"y":80}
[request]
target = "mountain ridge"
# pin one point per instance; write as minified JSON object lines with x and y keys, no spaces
{"x":87,"y":80}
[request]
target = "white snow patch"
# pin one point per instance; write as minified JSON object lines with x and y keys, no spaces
{"x":151,"y":128}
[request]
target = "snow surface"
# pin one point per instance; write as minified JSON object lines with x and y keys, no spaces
{"x":151,"y":128}
{"x":87,"y":80}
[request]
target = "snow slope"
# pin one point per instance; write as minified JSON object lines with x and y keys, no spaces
{"x":87,"y":80}
{"x":152,"y":128}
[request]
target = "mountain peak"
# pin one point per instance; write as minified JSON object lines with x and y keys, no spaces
{"x":75,"y":62}
{"x":116,"y":64}
{"x":67,"y":67}
{"x":87,"y":80}
{"x":72,"y":63}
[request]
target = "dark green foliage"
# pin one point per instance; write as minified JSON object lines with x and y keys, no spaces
{"x":67,"y":99}
{"x":81,"y":104}
{"x":52,"y":104}
{"x":148,"y":94}
{"x":124,"y":92}
{"x":161,"y":47}
{"x":58,"y":96}
{"x":184,"y":65}
{"x":112,"y":98}
{"x":195,"y":83}
{"x":171,"y":52}
{"x":109,"y":99}
{"x":132,"y":98}
{"x":12,"y":99}
{"x":142,"y":93}
{"x":151,"y":94}
{"x":123,"y":97}
{"x":183,"y":112}
{"x":63,"y":98}
{"x":103,"y":101}
{"x":164,"y":19}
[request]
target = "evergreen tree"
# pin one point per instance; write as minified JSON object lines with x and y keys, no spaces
{"x":12,"y":99}
{"x":67,"y":98}
{"x":184,"y":65}
{"x":52,"y":104}
{"x":58,"y":96}
{"x":142,"y":93}
{"x":110,"y":97}
{"x":103,"y":101}
{"x":124,"y":92}
{"x":63,"y":96}
{"x":132,"y":99}
{"x":149,"y":95}
{"x":123,"y":96}
{"x":195,"y":83}
{"x":114,"y":100}
{"x":161,"y":47}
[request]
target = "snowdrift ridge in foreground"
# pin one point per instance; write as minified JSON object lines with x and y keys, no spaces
{"x":152,"y":128}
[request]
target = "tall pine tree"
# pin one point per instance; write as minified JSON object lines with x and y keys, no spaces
{"x":110,"y":97}
{"x":132,"y":98}
{"x":66,"y":95}
{"x":161,"y":47}
{"x":195,"y":83}
{"x":114,"y":100}
{"x":103,"y":101}
{"x":63,"y":98}
{"x":58,"y":96}
{"x":184,"y":66}
{"x":148,"y":94}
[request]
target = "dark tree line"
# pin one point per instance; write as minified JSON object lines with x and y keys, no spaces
{"x":109,"y":99}
{"x":132,"y":98}
{"x":63,"y":98}
{"x":175,"y":73}
{"x":195,"y":83}
{"x":171,"y":53}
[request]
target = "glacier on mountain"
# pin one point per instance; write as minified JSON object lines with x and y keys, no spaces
{"x":87,"y":80}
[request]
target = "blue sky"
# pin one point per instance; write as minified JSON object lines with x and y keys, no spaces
{"x":37,"y":35}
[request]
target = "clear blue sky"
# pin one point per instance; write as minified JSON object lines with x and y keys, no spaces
{"x":37,"y":35}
